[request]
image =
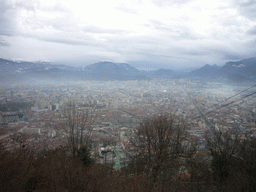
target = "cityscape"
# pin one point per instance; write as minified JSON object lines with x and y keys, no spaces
{"x":118,"y":107}
{"x":128,"y":96}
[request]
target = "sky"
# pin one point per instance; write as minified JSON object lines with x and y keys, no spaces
{"x":145,"y":33}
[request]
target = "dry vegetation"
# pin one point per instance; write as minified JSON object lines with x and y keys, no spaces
{"x":161,"y":155}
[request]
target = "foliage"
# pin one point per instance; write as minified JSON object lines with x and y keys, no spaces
{"x":222,"y":148}
{"x":85,"y":155}
{"x":233,"y":162}
{"x":161,"y":149}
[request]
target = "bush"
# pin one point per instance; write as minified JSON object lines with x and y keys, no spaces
{"x":84,"y":155}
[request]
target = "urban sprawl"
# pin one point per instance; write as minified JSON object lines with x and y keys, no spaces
{"x":117,"y":108}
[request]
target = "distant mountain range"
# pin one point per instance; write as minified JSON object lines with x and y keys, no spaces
{"x":112,"y":68}
{"x":205,"y":71}
{"x":15,"y":71}
{"x":238,"y":71}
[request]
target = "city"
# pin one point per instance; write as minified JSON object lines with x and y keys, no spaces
{"x":117,"y":108}
{"x":141,"y":95}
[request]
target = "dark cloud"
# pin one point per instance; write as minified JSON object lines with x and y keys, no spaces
{"x":246,"y":7}
{"x":29,"y":5}
{"x":252,"y":31}
{"x":63,"y":41}
{"x":227,"y":56}
{"x":4,"y":43}
{"x":7,"y":16}
{"x":67,"y":40}
{"x":9,"y":13}
{"x":194,"y":52}
{"x":251,"y":44}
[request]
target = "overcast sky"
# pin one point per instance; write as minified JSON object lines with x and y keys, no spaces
{"x":150,"y":33}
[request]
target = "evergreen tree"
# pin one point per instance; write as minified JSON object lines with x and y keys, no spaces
{"x":84,"y":154}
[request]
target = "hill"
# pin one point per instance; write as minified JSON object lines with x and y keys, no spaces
{"x":15,"y":71}
{"x":112,"y":71}
{"x":206,"y":71}
{"x":233,"y":71}
{"x":24,"y":71}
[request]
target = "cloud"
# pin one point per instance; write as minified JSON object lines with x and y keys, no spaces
{"x":4,"y":43}
{"x":174,"y":32}
{"x":99,"y":30}
{"x":164,"y":3}
{"x":7,"y":16}
{"x":247,"y":8}
{"x":29,"y":5}
{"x":252,"y":31}
{"x":126,"y":9}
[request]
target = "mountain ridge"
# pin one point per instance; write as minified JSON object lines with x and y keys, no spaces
{"x":11,"y":71}
{"x":235,"y":71}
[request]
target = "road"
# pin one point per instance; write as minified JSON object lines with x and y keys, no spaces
{"x":207,"y":122}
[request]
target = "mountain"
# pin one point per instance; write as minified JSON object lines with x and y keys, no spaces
{"x":112,"y":68}
{"x":161,"y":73}
{"x":14,"y":71}
{"x":12,"y":67}
{"x":207,"y":71}
{"x":233,"y":71}
{"x":240,"y":71}
{"x":245,"y":67}
{"x":24,"y":71}
{"x":112,"y":71}
{"x":165,"y":73}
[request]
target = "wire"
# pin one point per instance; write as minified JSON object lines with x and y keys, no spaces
{"x":247,"y":99}
{"x":231,"y":101}
{"x":237,"y":100}
{"x":237,"y":94}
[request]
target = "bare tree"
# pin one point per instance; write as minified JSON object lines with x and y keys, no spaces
{"x":233,"y":162}
{"x":223,"y":148}
{"x":77,"y":123}
{"x":159,"y":143}
{"x":21,"y":138}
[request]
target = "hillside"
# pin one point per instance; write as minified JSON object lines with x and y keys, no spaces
{"x":14,"y":71}
{"x":233,"y":71}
